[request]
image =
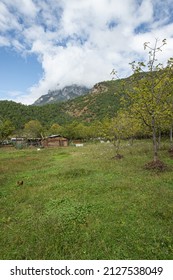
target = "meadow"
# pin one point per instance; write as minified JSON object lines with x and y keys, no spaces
{"x":80,"y":203}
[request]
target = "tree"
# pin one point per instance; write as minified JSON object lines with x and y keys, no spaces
{"x":118,"y":129}
{"x":6,"y":128}
{"x":81,"y":131}
{"x":149,"y":99}
{"x":123,"y":126}
{"x":34,"y":129}
{"x":69,"y":130}
{"x":95,"y":130}
{"x":55,"y":129}
{"x":106,"y":129}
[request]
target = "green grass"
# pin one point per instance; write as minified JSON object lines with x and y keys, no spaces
{"x":79,"y":203}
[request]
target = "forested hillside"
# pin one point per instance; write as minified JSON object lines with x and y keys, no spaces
{"x":19,"y":114}
{"x":101,"y":102}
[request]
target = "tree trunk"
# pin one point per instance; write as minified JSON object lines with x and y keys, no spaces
{"x":159,"y":139}
{"x":155,"y":146}
{"x":171,"y":136}
{"x":117,"y":146}
{"x":131,"y":141}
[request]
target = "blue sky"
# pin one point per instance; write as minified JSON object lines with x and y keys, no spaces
{"x":47,"y":44}
{"x":17,"y":73}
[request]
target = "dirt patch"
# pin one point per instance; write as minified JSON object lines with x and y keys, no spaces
{"x":170,"y":151}
{"x":118,"y":156}
{"x":157,"y":165}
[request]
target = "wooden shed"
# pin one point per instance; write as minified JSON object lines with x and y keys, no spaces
{"x":19,"y":142}
{"x":55,"y":141}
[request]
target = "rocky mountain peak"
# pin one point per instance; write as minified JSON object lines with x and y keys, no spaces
{"x":66,"y":93}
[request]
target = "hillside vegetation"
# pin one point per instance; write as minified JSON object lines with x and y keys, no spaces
{"x":101,"y":102}
{"x":20,"y":114}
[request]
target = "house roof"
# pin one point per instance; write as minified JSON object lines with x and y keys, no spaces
{"x":56,"y":136}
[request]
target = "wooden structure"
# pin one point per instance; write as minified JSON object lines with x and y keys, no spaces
{"x":19,"y":142}
{"x":34,"y":142}
{"x":55,"y":141}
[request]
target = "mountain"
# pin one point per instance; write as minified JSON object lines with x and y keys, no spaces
{"x":102,"y":101}
{"x":99,"y":103}
{"x":66,"y":93}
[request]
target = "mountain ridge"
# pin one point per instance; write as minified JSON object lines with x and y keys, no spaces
{"x":64,"y":94}
{"x":102,"y":101}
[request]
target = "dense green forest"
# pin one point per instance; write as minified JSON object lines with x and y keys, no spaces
{"x":101,"y":102}
{"x":20,"y":114}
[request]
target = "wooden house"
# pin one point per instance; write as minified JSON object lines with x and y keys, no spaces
{"x":55,"y":141}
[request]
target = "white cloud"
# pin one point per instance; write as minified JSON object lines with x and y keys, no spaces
{"x":7,"y":19}
{"x":10,"y":95}
{"x":23,"y":7}
{"x":82,"y":41}
{"x":4,"y":41}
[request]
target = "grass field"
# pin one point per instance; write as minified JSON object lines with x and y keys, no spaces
{"x":79,"y":203}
